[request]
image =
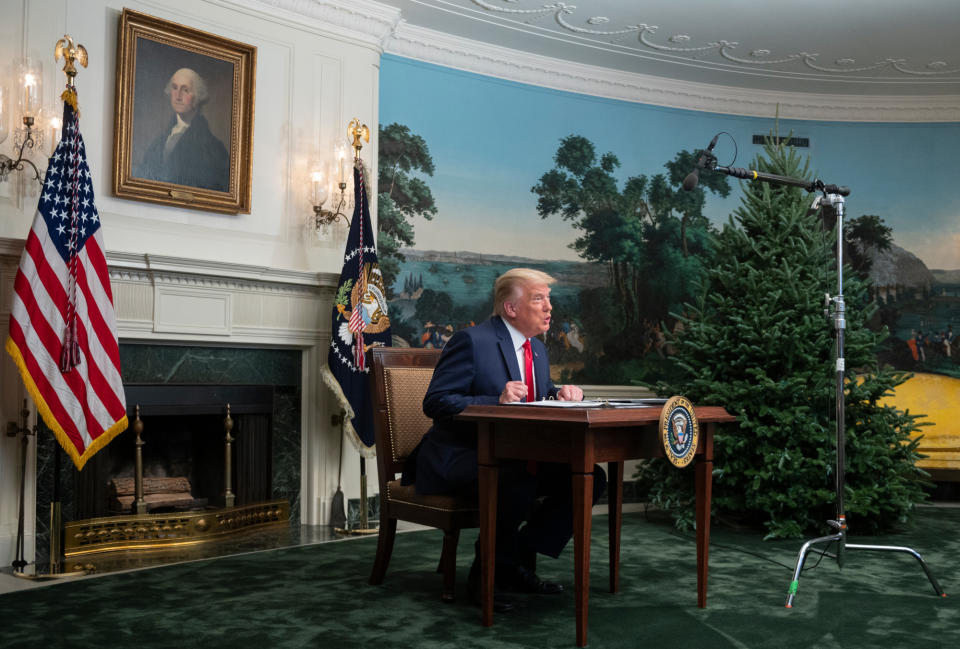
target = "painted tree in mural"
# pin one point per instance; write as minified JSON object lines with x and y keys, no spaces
{"x":757,"y":342}
{"x":862,"y":234}
{"x":402,"y":195}
{"x":651,"y":235}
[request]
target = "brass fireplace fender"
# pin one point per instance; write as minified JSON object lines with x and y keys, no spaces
{"x":161,"y":531}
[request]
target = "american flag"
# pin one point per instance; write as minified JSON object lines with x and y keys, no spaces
{"x":63,"y":332}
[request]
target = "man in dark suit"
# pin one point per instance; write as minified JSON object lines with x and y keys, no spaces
{"x":187,"y":153}
{"x":489,"y":364}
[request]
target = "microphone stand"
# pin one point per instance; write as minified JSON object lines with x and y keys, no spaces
{"x":832,"y":196}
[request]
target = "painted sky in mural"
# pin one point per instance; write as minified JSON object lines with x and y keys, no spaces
{"x":491,"y":140}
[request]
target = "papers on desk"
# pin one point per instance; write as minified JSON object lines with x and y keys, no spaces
{"x":553,"y":403}
{"x":636,"y":403}
{"x":595,"y":403}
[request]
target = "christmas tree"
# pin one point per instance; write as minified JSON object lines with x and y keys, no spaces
{"x":758,"y":342}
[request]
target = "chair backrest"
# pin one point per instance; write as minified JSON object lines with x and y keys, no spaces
{"x":399,"y":381}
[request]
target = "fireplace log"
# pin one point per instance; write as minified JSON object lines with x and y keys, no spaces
{"x":158,"y":494}
{"x":125,"y":486}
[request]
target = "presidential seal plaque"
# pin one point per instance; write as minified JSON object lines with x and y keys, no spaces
{"x":679,"y":431}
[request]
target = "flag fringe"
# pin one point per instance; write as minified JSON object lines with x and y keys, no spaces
{"x":331,"y":382}
{"x":64,"y":440}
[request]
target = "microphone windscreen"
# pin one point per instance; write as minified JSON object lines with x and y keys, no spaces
{"x":691,"y":180}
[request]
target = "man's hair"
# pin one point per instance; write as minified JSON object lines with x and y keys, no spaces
{"x":199,"y":86}
{"x":512,"y":282}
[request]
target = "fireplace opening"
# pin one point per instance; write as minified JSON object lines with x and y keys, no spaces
{"x":184,"y":452}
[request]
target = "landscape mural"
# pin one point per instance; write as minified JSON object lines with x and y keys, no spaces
{"x":479,"y":174}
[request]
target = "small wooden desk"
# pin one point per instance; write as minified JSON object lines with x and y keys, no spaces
{"x":582,"y":437}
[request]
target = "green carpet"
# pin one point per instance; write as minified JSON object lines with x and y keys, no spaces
{"x":317,"y":596}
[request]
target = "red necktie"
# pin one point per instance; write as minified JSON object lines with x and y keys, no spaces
{"x":531,"y":391}
{"x":528,"y":370}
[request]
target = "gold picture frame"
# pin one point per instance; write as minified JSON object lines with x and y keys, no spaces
{"x":183,"y":126}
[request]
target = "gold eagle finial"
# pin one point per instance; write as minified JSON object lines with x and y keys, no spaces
{"x":357,"y":131}
{"x":70,"y":53}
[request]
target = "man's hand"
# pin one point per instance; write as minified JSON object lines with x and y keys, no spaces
{"x":513,"y":391}
{"x":570,"y":393}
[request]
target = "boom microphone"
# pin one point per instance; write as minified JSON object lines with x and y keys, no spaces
{"x":694,"y":176}
{"x":691,"y":180}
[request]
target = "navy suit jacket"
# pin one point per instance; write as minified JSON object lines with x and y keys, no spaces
{"x":474,"y":367}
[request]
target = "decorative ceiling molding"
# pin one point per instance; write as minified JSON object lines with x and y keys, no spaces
{"x":440,"y":48}
{"x":647,"y":36}
{"x":359,"y":21}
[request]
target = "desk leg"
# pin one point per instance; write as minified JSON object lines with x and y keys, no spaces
{"x":615,"y":513}
{"x":704,"y":488}
{"x":582,"y":520}
{"x":488,"y":538}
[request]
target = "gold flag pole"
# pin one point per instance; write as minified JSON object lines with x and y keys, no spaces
{"x":71,"y":53}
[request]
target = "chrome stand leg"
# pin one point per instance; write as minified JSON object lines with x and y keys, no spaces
{"x":913,"y":553}
{"x":802,"y":557}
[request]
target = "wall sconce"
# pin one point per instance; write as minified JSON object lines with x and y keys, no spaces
{"x":29,"y":97}
{"x":323,"y":219}
{"x":319,"y":192}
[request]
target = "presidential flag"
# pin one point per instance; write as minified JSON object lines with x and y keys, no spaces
{"x":359,"y":322}
{"x":63,"y":332}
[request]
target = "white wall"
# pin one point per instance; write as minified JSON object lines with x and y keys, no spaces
{"x":317,"y":69}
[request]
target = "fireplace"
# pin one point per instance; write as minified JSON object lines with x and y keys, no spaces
{"x":203,"y":471}
{"x":182,"y":392}
{"x":182,"y":446}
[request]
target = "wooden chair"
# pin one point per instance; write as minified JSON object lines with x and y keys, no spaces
{"x":399,"y":381}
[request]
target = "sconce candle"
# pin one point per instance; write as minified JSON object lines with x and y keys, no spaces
{"x":55,"y":124}
{"x":341,"y":157}
{"x":31,"y":98}
{"x":318,"y":188}
{"x":29,"y":94}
